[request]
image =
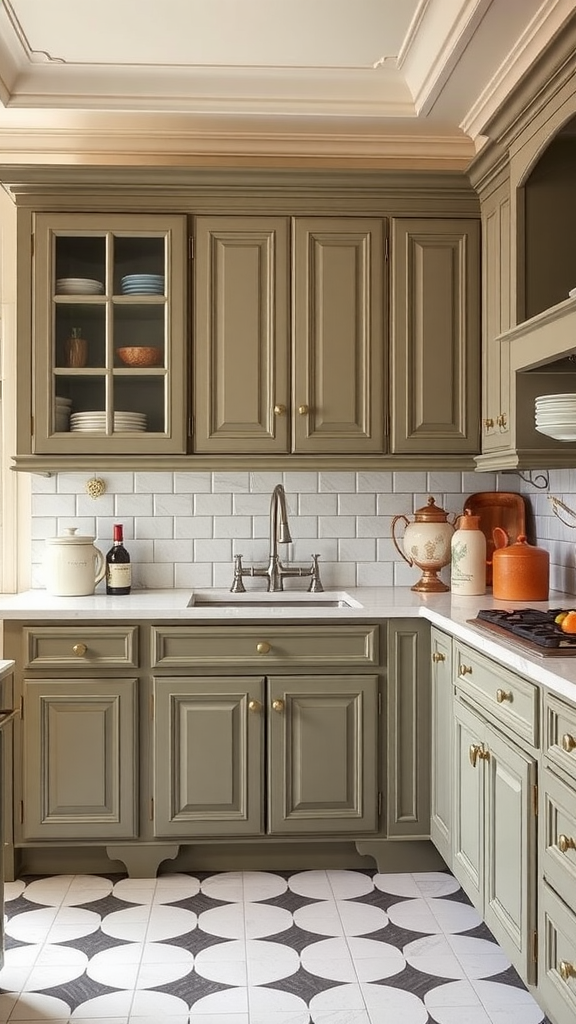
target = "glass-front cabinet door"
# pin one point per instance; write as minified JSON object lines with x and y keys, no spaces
{"x":110,"y":360}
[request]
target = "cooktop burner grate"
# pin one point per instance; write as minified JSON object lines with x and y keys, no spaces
{"x":534,"y":628}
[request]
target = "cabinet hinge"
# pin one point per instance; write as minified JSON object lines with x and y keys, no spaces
{"x":151,"y":808}
{"x":535,"y":800}
{"x":21,"y":812}
{"x":190,"y":248}
{"x":535,"y":947}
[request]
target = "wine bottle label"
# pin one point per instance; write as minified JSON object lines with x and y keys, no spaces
{"x":119,"y":575}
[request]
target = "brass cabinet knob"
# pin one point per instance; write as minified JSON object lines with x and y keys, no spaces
{"x":465,"y":670}
{"x":254,"y":705}
{"x":502,"y":695}
{"x":279,"y":410}
{"x":438,"y":656}
{"x":278,"y":705}
{"x":489,"y":423}
{"x":263,"y":647}
{"x":502,"y":421}
{"x":477,"y":752}
{"x":79,"y":650}
{"x":303,"y":410}
{"x":565,"y":843}
{"x":566,"y":970}
{"x":568,"y":743}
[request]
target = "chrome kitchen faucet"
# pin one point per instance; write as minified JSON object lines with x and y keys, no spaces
{"x":275,"y":572}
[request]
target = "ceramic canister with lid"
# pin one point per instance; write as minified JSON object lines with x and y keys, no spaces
{"x":72,"y":565}
{"x":520,"y":572}
{"x":468,"y":556}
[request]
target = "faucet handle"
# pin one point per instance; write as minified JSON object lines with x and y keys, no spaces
{"x":238,"y":583}
{"x":315,"y":583}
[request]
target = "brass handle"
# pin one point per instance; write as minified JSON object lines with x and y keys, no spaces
{"x":502,"y":695}
{"x":303,"y":410}
{"x":464,"y":670}
{"x":437,"y":656}
{"x":278,"y":705}
{"x":565,"y":843}
{"x":566,"y":970}
{"x":79,"y":650}
{"x":568,"y":743}
{"x":489,"y":423}
{"x":263,"y":647}
{"x":254,"y":705}
{"x":279,"y":410}
{"x":501,"y":420}
{"x":477,"y":752}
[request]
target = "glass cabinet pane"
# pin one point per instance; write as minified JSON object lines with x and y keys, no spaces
{"x":105,"y":348}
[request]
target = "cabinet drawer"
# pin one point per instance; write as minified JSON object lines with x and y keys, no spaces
{"x":185,"y":646}
{"x":557,"y":956}
{"x":76,"y":646}
{"x":558,"y":834}
{"x":512,"y":700}
{"x":560,"y":733}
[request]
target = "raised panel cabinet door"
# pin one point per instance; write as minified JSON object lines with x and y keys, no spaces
{"x":435,"y":336}
{"x":407,"y":770}
{"x":322,"y":754}
{"x":339,"y":339}
{"x":442,"y":752}
{"x":510,"y":871}
{"x":241,"y":334}
{"x":469,"y":824}
{"x":79,"y":759}
{"x":208,"y":750}
{"x":496,"y":297}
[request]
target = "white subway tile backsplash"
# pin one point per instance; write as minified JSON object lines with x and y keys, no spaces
{"x":182,"y":529}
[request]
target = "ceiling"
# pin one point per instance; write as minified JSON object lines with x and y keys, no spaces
{"x":377,"y":82}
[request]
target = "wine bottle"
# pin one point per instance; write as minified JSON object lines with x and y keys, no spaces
{"x":118,"y":568}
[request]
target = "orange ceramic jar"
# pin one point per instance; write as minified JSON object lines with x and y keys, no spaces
{"x":520,"y":572}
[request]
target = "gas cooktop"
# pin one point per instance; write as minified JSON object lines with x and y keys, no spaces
{"x":530,"y":629}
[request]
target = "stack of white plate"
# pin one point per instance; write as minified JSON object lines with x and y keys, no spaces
{"x":78,"y":286}
{"x":62,"y":407}
{"x":96,"y":420}
{"x":143,"y":284}
{"x":555,"y":416}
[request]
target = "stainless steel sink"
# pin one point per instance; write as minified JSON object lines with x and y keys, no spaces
{"x":277,"y":599}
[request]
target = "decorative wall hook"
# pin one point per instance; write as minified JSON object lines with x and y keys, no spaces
{"x":95,"y":487}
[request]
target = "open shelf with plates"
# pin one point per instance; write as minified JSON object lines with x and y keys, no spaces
{"x":109,"y":327}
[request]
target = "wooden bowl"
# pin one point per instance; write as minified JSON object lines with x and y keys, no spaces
{"x":141,"y":355}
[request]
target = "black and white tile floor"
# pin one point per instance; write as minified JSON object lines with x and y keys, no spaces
{"x":293,"y":947}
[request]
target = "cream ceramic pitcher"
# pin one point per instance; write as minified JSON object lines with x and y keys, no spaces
{"x":426,"y":543}
{"x":72,"y":565}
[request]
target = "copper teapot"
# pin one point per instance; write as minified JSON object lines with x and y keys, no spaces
{"x":426,"y":543}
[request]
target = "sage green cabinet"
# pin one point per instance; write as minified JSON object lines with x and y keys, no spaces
{"x":442,"y":743}
{"x":289,"y":335}
{"x":494,"y":831}
{"x":118,"y":281}
{"x":79,"y":759}
{"x":435,"y":335}
{"x":290,"y":755}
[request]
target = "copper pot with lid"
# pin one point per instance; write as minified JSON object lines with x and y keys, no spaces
{"x":520,"y":572}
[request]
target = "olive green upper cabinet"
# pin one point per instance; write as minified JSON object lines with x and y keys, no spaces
{"x":435,"y":335}
{"x":109,"y":327}
{"x":496,"y":317}
{"x":289,"y":335}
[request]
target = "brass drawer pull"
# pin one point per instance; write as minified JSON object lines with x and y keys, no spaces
{"x":565,"y":843}
{"x":476,"y":752}
{"x":263,"y":647}
{"x":465,"y":670}
{"x":502,"y":695}
{"x":501,"y":421}
{"x":568,"y":743}
{"x":278,"y":705}
{"x":488,"y":423}
{"x":254,"y":705}
{"x":437,"y":656}
{"x":79,"y":650}
{"x":566,"y":970}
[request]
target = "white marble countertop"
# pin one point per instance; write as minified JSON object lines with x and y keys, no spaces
{"x":447,"y":611}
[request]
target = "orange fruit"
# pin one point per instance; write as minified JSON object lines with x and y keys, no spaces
{"x":568,"y":624}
